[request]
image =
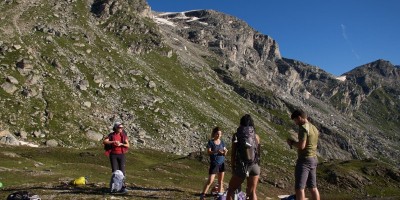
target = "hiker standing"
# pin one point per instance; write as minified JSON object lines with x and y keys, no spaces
{"x":306,"y":165}
{"x":245,"y":158}
{"x":119,"y":144}
{"x":217,"y":151}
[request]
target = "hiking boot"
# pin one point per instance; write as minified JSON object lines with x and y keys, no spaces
{"x":202,"y":196}
{"x":123,"y":191}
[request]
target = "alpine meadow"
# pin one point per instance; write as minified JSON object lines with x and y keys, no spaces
{"x":69,"y":69}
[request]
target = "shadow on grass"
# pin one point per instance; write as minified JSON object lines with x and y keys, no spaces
{"x":96,"y":191}
{"x":154,"y":189}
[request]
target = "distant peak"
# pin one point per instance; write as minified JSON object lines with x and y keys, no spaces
{"x":382,"y":61}
{"x":379,"y":67}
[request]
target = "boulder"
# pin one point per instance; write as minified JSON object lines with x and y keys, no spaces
{"x":186,"y":125}
{"x":92,"y":135}
{"x":23,"y":134}
{"x":9,"y":88}
{"x":12,"y":80}
{"x":17,"y":46}
{"x":7,"y":138}
{"x":4,"y":133}
{"x":36,"y":134}
{"x":87,"y":104}
{"x":33,"y":79}
{"x":52,"y":143}
{"x":83,"y":85}
{"x":98,"y":79}
{"x":24,"y":66}
{"x":151,"y":84}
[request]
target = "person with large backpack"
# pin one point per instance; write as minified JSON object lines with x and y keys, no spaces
{"x":245,"y":159}
{"x":307,"y":161}
{"x":116,"y":145}
{"x":217,"y":151}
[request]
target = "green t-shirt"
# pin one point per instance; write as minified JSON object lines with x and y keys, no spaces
{"x":309,"y":133}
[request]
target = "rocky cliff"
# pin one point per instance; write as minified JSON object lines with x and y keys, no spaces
{"x":72,"y":68}
{"x":341,"y":106}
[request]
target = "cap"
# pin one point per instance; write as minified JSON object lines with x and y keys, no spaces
{"x":118,"y":124}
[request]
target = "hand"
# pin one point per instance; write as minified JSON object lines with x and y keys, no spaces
{"x":290,"y":142}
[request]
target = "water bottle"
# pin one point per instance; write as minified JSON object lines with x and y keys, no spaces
{"x":249,"y":151}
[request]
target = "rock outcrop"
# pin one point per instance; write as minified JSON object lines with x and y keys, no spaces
{"x":69,"y":69}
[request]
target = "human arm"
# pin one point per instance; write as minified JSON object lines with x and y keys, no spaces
{"x":258,"y":148}
{"x":107,"y":141}
{"x":223,"y":152}
{"x":233,"y":155}
{"x":126,"y":143}
{"x":300,"y":145}
{"x":219,"y":152}
{"x":210,"y":151}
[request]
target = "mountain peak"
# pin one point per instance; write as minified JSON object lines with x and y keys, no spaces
{"x":239,"y":44}
{"x":379,"y":67}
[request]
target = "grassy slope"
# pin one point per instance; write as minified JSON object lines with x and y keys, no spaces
{"x":184,"y":91}
{"x":153,"y":174}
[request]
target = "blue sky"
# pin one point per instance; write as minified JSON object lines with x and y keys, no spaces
{"x":336,"y":35}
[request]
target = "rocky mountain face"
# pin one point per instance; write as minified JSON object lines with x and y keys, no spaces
{"x":340,"y":106}
{"x":71,"y":68}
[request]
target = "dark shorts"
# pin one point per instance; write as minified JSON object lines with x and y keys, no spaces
{"x":306,"y":173}
{"x":245,"y":171}
{"x":215,"y":168}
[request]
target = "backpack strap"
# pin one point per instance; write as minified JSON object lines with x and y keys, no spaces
{"x":123,"y":136}
{"x":257,"y":150}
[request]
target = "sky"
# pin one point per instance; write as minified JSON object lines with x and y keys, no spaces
{"x":336,"y":35}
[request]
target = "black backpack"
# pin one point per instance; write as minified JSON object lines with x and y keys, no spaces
{"x":247,"y":146}
{"x":23,"y":195}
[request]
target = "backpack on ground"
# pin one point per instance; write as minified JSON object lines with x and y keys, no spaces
{"x":23,"y":195}
{"x":221,"y":196}
{"x":117,"y":181}
{"x":247,"y":145}
{"x":287,"y":197}
{"x":239,"y":195}
{"x":80,"y":181}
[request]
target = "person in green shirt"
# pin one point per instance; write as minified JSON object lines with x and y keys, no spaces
{"x":306,"y":165}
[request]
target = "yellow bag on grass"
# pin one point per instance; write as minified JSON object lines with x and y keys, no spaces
{"x":80,"y":181}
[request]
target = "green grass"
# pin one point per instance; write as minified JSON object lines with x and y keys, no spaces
{"x":185,"y":92}
{"x":378,"y":103}
{"x":43,"y":170}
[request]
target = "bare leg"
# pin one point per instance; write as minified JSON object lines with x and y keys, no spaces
{"x":314,"y":193}
{"x":208,"y":183}
{"x":300,"y":194}
{"x":234,"y":184}
{"x":221,"y":182}
{"x":251,"y":189}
